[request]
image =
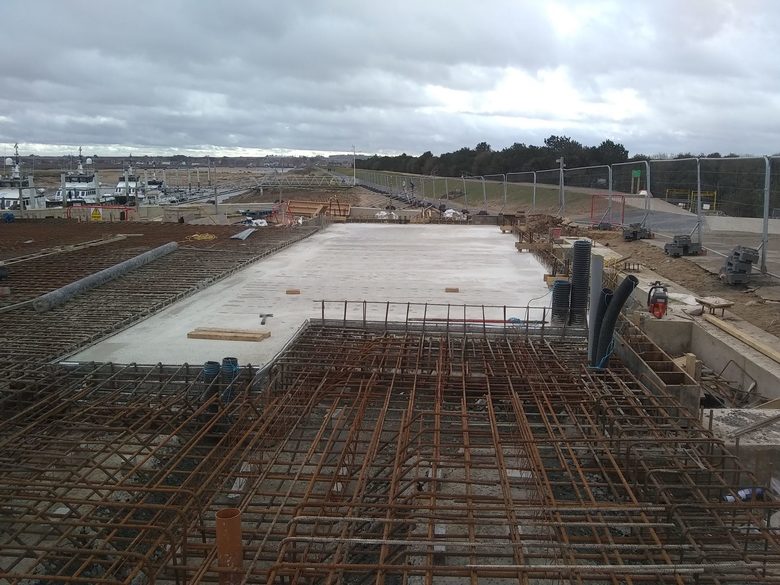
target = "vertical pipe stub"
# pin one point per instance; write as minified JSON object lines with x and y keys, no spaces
{"x":230,"y":551}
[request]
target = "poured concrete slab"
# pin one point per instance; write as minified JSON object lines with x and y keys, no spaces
{"x":373,"y":262}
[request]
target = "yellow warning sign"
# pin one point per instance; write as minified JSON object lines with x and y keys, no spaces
{"x":96,"y":215}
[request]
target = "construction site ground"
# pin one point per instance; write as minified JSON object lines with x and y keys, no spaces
{"x":687,"y":272}
{"x":404,"y":451}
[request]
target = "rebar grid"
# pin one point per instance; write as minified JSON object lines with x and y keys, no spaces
{"x":373,"y":457}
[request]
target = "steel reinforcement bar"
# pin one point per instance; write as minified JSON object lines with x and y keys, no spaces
{"x":373,"y":457}
{"x":31,"y":337}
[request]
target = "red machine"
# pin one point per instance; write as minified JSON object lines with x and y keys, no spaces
{"x":657,"y":300}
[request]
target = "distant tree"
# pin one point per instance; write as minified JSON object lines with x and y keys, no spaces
{"x":609,"y":152}
{"x":483,"y":147}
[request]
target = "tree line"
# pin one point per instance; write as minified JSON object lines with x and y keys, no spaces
{"x":483,"y":160}
{"x":739,"y":183}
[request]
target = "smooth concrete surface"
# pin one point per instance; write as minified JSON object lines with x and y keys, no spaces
{"x":372,"y":262}
{"x":673,"y":336}
{"x":755,"y":225}
{"x":739,"y":362}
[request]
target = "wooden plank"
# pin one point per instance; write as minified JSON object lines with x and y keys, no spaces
{"x":744,"y":337}
{"x":217,"y":334}
{"x":692,"y":366}
{"x":714,"y":302}
{"x":451,"y":289}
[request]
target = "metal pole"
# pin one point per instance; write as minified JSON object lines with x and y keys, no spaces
{"x":698,"y":197}
{"x":504,"y":175}
{"x":354,"y":158}
{"x":484,"y":192}
{"x":765,"y":232}
{"x":561,"y":195}
{"x":609,"y":180}
{"x":465,"y":197}
{"x":647,"y":196}
{"x":533,"y":201}
{"x":446,"y":190}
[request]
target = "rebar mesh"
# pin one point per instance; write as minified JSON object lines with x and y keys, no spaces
{"x":368,"y":456}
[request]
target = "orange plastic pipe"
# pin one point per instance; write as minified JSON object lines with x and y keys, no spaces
{"x":230,"y":550}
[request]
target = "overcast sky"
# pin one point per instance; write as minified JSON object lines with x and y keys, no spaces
{"x":225,"y":77}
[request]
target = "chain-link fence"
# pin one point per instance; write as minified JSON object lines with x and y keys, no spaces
{"x":720,"y":202}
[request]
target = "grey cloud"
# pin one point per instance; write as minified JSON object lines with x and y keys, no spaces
{"x":316,"y":75}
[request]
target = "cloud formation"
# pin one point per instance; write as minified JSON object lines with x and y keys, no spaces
{"x":232,"y":76}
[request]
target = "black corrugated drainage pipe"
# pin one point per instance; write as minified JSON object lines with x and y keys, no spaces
{"x":607,"y":331}
{"x":580,"y":281}
{"x":601,"y":308}
{"x":561,"y":294}
{"x":56,"y":297}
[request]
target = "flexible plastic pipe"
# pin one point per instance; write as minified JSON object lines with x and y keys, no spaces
{"x":607,"y":331}
{"x":61,"y":295}
{"x":602,"y":302}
